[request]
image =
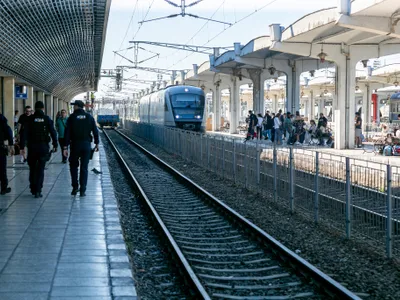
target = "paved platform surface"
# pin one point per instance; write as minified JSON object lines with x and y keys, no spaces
{"x":59,"y":246}
{"x":353,"y":153}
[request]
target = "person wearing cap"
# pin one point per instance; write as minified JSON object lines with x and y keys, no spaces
{"x":38,"y":130}
{"x":78,"y":135}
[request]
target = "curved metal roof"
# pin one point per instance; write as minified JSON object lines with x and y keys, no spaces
{"x":57,"y":46}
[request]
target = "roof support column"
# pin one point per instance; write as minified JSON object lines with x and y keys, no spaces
{"x":49,"y":105}
{"x":8,"y":90}
{"x":321,"y":106}
{"x":234,"y":105}
{"x":334,"y":105}
{"x":293,"y":90}
{"x":344,"y":114}
{"x":367,"y":112}
{"x":29,"y":99}
{"x":258,"y":90}
{"x":312,"y":106}
{"x":40,"y":97}
{"x":364,"y":110}
{"x":60,"y":104}
{"x":217,"y":107}
{"x":275,"y":104}
{"x":55,"y":108}
{"x":306,"y":103}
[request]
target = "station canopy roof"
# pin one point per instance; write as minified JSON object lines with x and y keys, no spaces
{"x":55,"y":46}
{"x":369,"y":23}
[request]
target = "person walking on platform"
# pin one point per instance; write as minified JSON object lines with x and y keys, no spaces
{"x":21,"y":127}
{"x":78,"y":134}
{"x":61,"y":124}
{"x":38,"y":130}
{"x":5,"y":135}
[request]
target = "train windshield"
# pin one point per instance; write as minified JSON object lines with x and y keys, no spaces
{"x":187,"y":101}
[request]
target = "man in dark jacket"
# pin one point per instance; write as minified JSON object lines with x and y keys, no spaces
{"x":5,"y":135}
{"x":38,"y":130}
{"x":78,"y":134}
{"x":268,"y":125}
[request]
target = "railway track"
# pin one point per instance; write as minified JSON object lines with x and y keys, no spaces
{"x":222,"y":254}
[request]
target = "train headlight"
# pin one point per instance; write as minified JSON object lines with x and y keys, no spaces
{"x":177,"y":116}
{"x":198,"y":117}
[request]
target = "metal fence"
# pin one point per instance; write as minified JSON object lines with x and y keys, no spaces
{"x":357,"y":197}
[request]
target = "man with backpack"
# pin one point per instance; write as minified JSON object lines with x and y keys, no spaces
{"x":253,"y":121}
{"x":78,"y":135}
{"x":38,"y":130}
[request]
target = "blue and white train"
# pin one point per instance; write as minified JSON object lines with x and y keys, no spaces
{"x":174,"y":106}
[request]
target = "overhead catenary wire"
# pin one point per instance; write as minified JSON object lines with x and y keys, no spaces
{"x":225,"y":29}
{"x":198,"y":31}
{"x":145,"y":17}
{"x":140,"y":26}
{"x":129,"y":25}
{"x":127,"y":29}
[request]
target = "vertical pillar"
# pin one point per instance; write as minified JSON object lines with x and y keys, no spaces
{"x":312,"y":106}
{"x":345,"y":91}
{"x":364,"y":113}
{"x":307,"y":108}
{"x":275,"y":104}
{"x":334,"y":105}
{"x":8,"y":99}
{"x":60,"y":104}
{"x":49,"y":105}
{"x":234,"y":105}
{"x":258,"y":90}
{"x":29,"y":100}
{"x":293,"y":89}
{"x":217,"y":108}
{"x":321,"y":105}
{"x":55,"y":108}
{"x":40,"y":96}
{"x":367,"y":117}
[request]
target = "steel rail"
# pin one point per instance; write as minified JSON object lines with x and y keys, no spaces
{"x":195,"y":282}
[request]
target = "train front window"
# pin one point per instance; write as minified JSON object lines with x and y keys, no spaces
{"x":187,"y":101}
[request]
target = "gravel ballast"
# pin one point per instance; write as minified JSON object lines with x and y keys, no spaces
{"x":155,"y":277}
{"x":353,"y":263}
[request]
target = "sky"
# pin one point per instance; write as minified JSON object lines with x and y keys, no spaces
{"x":125,"y":14}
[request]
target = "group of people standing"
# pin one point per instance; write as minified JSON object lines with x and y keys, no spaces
{"x":35,"y":131}
{"x":285,"y":126}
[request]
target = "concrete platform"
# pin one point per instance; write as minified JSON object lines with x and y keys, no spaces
{"x":59,"y":246}
{"x":352,"y":153}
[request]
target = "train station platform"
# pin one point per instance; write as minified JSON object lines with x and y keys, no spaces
{"x":60,"y":246}
{"x":367,"y":155}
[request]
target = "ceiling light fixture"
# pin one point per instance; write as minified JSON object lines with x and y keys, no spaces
{"x":272,"y":70}
{"x":322,"y":56}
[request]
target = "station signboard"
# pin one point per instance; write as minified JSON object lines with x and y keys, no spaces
{"x":21,"y":92}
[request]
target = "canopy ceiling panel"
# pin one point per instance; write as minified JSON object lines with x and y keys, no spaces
{"x":56,"y":46}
